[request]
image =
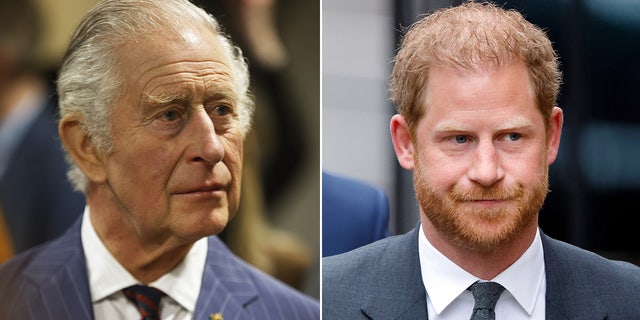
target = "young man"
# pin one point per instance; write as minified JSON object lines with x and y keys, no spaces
{"x":475,"y":88}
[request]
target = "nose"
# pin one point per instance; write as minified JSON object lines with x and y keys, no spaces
{"x":485,"y":168}
{"x":205,"y":144}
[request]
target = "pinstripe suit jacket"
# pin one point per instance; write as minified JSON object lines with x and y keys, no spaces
{"x":383,"y":281}
{"x":50,"y":282}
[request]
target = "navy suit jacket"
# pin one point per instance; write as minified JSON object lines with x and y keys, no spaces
{"x":353,"y":214}
{"x":50,"y":282}
{"x":383,"y":281}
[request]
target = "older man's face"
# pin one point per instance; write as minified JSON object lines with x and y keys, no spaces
{"x":177,"y":160}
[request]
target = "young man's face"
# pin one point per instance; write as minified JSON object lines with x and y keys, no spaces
{"x":481,"y":155}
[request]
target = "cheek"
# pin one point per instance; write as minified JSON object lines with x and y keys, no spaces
{"x":440,"y":171}
{"x":156,"y":160}
{"x":233,"y":159}
{"x":527,"y":167}
{"x":143,"y":163}
{"x":233,"y":155}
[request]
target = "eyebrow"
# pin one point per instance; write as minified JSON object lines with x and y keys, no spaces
{"x":151,"y":103}
{"x":450,"y":125}
{"x":221,"y":93}
{"x":165,"y":99}
{"x":511,"y":124}
{"x":159,"y":100}
{"x":516,"y":123}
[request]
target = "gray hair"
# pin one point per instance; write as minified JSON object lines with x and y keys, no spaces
{"x":90,"y":81}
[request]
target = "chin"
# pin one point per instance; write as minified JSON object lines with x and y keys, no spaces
{"x":198,"y":226}
{"x":483,"y":236}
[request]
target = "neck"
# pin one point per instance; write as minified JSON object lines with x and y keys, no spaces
{"x":145,"y":258}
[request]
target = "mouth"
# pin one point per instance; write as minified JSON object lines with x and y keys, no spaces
{"x":489,"y":200}
{"x":204,"y":191}
{"x":487,"y":203}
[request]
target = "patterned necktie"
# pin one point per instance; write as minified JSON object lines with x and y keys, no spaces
{"x":146,"y":299}
{"x":485,"y":294}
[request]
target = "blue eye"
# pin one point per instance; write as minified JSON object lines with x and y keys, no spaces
{"x":461,"y":139}
{"x":514,"y":136}
{"x":222,"y":110}
{"x":170,"y":115}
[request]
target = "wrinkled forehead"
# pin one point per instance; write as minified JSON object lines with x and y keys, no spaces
{"x":189,"y":44}
{"x":175,"y":38}
{"x":172,"y":60}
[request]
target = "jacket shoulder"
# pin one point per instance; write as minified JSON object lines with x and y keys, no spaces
{"x":384,"y":274}
{"x":586,"y":282}
{"x":257,"y":291}
{"x":47,"y":281}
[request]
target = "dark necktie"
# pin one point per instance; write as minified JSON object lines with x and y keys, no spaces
{"x":146,"y":299}
{"x":486,"y":295}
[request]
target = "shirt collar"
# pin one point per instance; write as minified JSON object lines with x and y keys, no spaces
{"x":444,"y":281}
{"x":524,"y":278}
{"x":107,"y":276}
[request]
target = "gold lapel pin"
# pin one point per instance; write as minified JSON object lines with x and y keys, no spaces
{"x":216,"y":316}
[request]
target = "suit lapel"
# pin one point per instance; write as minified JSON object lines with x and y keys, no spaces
{"x":568,"y":293}
{"x":61,"y":277}
{"x":225,"y":288}
{"x":398,"y":294}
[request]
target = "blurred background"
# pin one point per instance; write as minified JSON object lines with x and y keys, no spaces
{"x":595,"y":182}
{"x":277,"y":228}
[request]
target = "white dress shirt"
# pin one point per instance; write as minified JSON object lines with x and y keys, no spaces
{"x":107,"y":277}
{"x":446,"y":285}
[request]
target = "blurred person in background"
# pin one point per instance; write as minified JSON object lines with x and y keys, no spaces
{"x":155,"y":107}
{"x":37,"y":201}
{"x":354,"y":213}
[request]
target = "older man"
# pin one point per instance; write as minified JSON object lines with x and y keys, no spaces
{"x":154,"y":108}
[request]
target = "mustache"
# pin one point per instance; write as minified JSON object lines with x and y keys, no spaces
{"x":492,"y":193}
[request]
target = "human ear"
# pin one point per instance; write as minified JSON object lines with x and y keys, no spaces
{"x":553,"y":134}
{"x":402,"y":144}
{"x":79,"y":146}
